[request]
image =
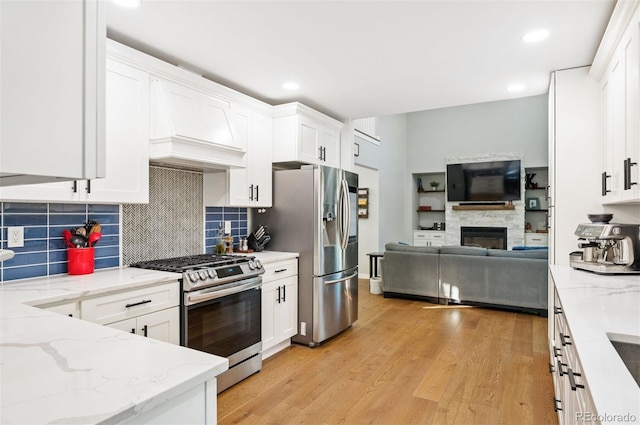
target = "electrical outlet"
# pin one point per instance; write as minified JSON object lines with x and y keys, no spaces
{"x":303,"y":328}
{"x":15,"y":237}
{"x":227,"y":227}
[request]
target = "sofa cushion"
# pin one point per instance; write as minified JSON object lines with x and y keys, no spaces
{"x":408,"y":248}
{"x":542,"y":254}
{"x":463,"y":250}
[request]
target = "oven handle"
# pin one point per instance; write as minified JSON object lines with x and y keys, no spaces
{"x":331,"y":282}
{"x":213,"y":293}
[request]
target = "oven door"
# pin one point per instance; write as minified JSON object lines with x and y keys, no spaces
{"x":225,"y":321}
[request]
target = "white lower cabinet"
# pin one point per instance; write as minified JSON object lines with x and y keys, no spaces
{"x":151,"y":311}
{"x":68,"y":309}
{"x":163,"y":325}
{"x":572,"y":400}
{"x":279,"y":305}
{"x":428,"y":238}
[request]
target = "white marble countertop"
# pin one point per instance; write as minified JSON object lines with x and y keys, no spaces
{"x":267,"y":257}
{"x":56,"y":369}
{"x":596,"y":306}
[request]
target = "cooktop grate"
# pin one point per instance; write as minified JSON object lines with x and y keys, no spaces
{"x":181,"y":264}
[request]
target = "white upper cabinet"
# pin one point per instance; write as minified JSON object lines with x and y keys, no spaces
{"x":52,"y":90}
{"x":250,"y":186}
{"x":190,"y":127}
{"x":127,"y":148}
{"x":301,"y":134}
{"x":617,"y":67}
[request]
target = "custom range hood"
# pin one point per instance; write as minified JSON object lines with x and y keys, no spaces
{"x":191,"y":128}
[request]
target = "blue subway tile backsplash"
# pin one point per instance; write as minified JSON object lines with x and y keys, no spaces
{"x":216,"y":216}
{"x":45,"y":252}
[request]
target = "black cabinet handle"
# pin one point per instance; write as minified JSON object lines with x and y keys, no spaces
{"x":564,"y":339}
{"x":605,"y":176}
{"x":280,"y":270}
{"x":251,"y":193}
{"x":324,"y":153}
{"x":557,"y":310}
{"x":278,"y":300}
{"x":145,"y":329}
{"x":560,"y":371}
{"x":627,"y":173}
{"x":572,"y":380}
{"x":74,"y":188}
{"x":133,"y":330}
{"x":557,"y":352}
{"x":139,"y":303}
{"x":257,"y":193}
{"x":88,"y":186}
{"x":320,"y":153}
{"x":284,"y":293}
{"x":70,"y":315}
{"x":556,"y":403}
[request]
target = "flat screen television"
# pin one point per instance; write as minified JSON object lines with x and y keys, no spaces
{"x":491,"y":181}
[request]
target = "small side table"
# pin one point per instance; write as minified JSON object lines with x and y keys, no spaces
{"x":373,"y":263}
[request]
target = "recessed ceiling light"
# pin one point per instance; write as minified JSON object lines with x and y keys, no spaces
{"x":291,"y":86}
{"x":127,"y":3}
{"x":515,"y":88}
{"x":535,"y":36}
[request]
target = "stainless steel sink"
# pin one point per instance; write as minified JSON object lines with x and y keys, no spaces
{"x":628,"y":348}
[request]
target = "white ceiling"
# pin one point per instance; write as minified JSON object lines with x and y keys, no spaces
{"x":357,"y":59}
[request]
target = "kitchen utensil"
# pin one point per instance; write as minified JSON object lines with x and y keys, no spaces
{"x":92,"y":226}
{"x":66,"y":235}
{"x":80,"y":231}
{"x":600,"y":218}
{"x":78,"y":241}
{"x":94,"y":238}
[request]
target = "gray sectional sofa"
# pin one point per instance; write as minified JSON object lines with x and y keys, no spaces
{"x":467,"y":275}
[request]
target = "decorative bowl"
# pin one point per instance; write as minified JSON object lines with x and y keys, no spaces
{"x":600,"y":218}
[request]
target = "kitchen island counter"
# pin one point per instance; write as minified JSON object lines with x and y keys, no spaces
{"x":58,"y":369}
{"x":596,"y":308}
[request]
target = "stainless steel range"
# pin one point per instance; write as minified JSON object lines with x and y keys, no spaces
{"x":220,"y":309}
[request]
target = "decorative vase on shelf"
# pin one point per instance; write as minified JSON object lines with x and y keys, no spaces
{"x":529,"y":184}
{"x":434,"y":185}
{"x":420,"y":188}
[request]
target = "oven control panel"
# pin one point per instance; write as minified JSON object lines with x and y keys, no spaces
{"x":211,"y":276}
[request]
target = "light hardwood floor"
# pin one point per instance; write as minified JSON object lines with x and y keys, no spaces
{"x":406,"y":362}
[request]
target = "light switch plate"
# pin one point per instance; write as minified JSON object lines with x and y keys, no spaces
{"x":227,"y":227}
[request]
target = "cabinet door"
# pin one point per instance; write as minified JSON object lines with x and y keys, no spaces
{"x":261,"y":161}
{"x":308,"y":141}
{"x":128,"y":325}
{"x":127,"y":115}
{"x":613,"y":129}
{"x":69,"y":309}
{"x":631,"y":56}
{"x":269,"y":318}
{"x":331,"y":148}
{"x":163,"y":325}
{"x":240,"y":179}
{"x":52,"y":78}
{"x":287,"y":317}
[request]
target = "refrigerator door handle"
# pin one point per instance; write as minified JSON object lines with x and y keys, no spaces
{"x":351,"y":276}
{"x":344,"y":214}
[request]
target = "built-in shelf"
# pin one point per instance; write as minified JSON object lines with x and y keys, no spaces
{"x":427,"y":211}
{"x":539,"y":209}
{"x":484,"y":207}
{"x":430,"y":191}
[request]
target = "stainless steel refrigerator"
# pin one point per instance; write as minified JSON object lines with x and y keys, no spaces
{"x":315,"y":213}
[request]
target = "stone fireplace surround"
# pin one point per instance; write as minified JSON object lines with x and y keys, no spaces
{"x":512,"y":220}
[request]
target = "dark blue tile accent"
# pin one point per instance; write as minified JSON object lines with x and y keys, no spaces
{"x":71,"y":220}
{"x":24,"y":220}
{"x":23,"y":272}
{"x":67,"y":208}
{"x":107,"y":251}
{"x":109,"y":229}
{"x":97,"y":208}
{"x":35,"y":232}
{"x":217,"y":216}
{"x":105,"y":218}
{"x":57,"y":268}
{"x":113,"y":240}
{"x":103,"y":263}
{"x":32,"y":245}
{"x":58,"y":243}
{"x":27,"y":259}
{"x":230,"y":216}
{"x":58,"y":256}
{"x":24,"y":208}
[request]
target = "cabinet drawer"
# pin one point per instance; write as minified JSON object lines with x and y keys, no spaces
{"x":280,"y":269}
{"x":123,"y":305}
{"x":536,"y":239}
{"x":437,"y":236}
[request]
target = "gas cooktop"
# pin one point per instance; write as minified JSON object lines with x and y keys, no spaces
{"x":189,"y":262}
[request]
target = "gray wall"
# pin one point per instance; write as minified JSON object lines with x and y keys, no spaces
{"x":517,"y":125}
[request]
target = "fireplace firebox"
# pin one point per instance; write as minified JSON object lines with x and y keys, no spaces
{"x":486,"y":237}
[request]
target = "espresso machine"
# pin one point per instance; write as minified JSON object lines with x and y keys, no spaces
{"x":607,"y":248}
